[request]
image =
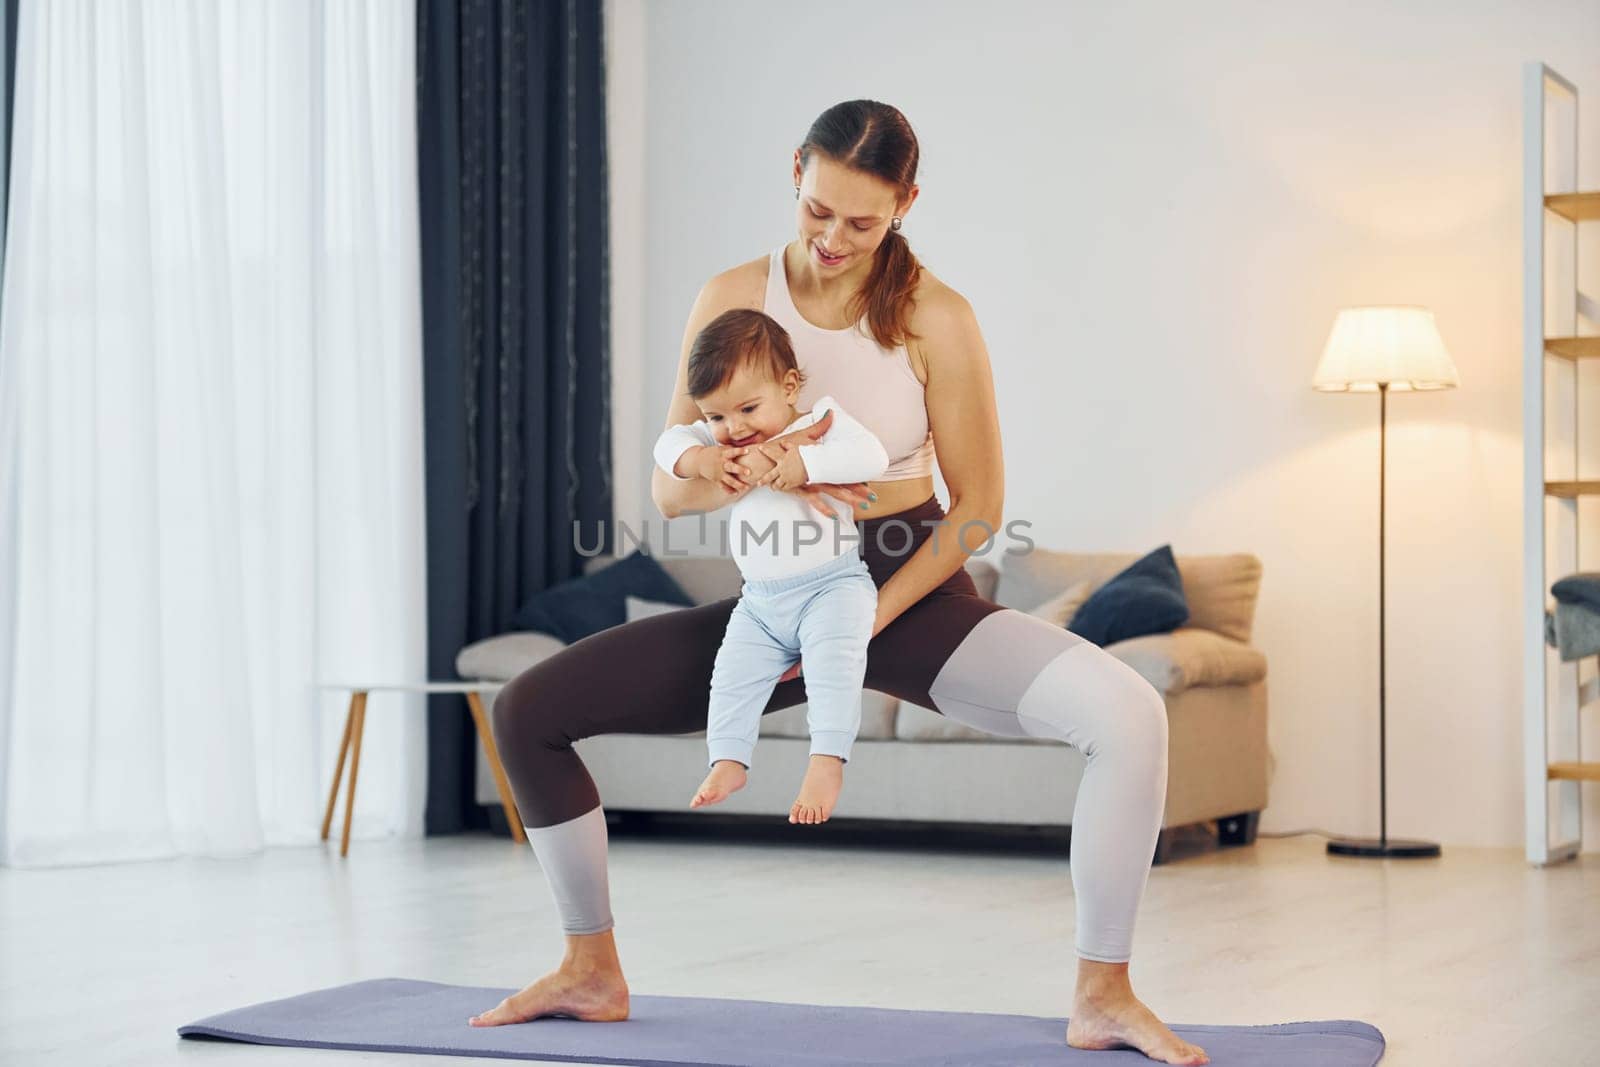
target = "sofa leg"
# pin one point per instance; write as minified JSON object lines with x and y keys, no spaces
{"x":1163,"y":847}
{"x":1238,"y":829}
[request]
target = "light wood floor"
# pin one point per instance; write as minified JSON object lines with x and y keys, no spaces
{"x":1474,"y":958}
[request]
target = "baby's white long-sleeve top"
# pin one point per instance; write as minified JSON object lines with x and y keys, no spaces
{"x":772,"y":534}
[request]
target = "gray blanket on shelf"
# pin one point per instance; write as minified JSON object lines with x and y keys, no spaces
{"x":1574,"y":627}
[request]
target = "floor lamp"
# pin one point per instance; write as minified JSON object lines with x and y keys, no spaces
{"x":1383,"y":350}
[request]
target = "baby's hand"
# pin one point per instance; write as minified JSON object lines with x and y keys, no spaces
{"x":789,"y":471}
{"x":720,"y":464}
{"x":761,"y":460}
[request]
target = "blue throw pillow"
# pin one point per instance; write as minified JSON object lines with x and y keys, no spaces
{"x":578,"y":607}
{"x":1147,"y":598}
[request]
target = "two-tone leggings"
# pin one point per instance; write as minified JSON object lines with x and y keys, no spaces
{"x":993,"y":668}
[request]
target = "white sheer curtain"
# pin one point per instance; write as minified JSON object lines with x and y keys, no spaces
{"x":211,"y":478}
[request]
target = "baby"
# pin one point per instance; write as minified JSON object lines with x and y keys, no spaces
{"x":807,"y":592}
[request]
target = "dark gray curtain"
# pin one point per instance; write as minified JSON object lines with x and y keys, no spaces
{"x":512,"y":168}
{"x":8,"y":77}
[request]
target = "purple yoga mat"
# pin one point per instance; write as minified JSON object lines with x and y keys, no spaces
{"x":400,"y":1015}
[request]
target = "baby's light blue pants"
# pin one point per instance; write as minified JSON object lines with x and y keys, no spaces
{"x":822,"y":616}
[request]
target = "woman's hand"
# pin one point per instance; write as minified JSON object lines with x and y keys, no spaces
{"x":852,"y":494}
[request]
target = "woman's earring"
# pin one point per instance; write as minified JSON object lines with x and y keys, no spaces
{"x":894,"y":224}
{"x":797,"y":192}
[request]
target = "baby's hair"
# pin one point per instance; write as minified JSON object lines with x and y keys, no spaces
{"x":737,"y":338}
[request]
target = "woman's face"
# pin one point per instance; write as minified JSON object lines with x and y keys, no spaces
{"x":843,"y":214}
{"x":750,"y":407}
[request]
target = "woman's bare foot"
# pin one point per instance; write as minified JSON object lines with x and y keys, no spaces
{"x":727,"y":776}
{"x":819,"y":792}
{"x":588,"y":985}
{"x":1106,"y":1014}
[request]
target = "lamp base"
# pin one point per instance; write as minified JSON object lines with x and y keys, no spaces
{"x":1393,"y":847}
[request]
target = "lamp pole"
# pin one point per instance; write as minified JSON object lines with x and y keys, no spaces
{"x":1383,"y":616}
{"x":1383,"y":347}
{"x":1382,"y":846}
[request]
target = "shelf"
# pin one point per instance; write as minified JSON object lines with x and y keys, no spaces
{"x":1569,"y":490}
{"x":1573,"y":347}
{"x":1578,"y":207}
{"x":1556,"y":216}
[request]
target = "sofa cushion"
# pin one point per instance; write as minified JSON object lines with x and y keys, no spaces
{"x":1220,"y":590}
{"x":914,"y":722}
{"x":878,"y":712}
{"x":706,"y":579}
{"x":1189,"y":657}
{"x":589,"y":603}
{"x":877,"y":709}
{"x":636,"y":608}
{"x":984,"y":576}
{"x":503,"y":657}
{"x":1146,"y":598}
{"x":1059,"y":609}
{"x":1183,"y":659}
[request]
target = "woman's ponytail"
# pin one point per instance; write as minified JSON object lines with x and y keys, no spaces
{"x":887,"y":298}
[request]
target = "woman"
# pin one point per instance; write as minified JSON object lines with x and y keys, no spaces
{"x":903,"y":353}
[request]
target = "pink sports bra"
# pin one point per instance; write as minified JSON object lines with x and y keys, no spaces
{"x":874,"y":384}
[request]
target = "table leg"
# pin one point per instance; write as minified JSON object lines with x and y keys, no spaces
{"x":485,"y":735}
{"x":338,"y":771}
{"x":358,"y":705}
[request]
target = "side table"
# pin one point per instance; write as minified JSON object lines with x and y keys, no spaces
{"x":355,"y":720}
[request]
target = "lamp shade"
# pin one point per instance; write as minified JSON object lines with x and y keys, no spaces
{"x":1395,"y":346}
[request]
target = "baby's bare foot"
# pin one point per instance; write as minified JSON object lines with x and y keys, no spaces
{"x":727,"y":776}
{"x":819,"y":792}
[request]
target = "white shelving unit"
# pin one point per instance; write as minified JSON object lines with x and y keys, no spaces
{"x":1560,"y":478}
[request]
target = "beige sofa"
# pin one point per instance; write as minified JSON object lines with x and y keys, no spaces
{"x":914,"y":765}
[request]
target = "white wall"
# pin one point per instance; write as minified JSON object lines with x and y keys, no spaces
{"x":625,"y":136}
{"x":1156,"y":210}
